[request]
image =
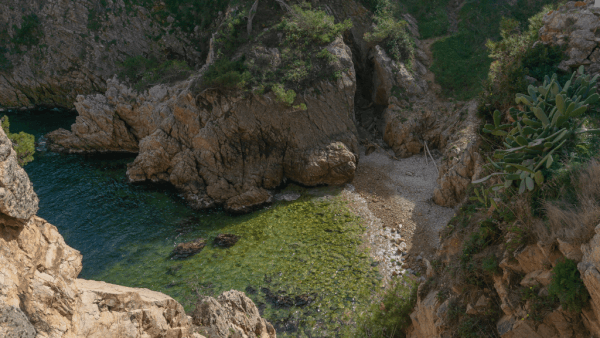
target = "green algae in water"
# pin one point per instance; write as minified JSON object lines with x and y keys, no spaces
{"x":289,"y":254}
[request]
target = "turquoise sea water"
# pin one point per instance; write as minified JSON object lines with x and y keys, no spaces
{"x":299,"y":261}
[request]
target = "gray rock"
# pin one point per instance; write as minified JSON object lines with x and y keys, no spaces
{"x":14,"y":323}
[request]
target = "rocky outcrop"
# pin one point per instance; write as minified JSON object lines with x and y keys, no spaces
{"x":50,"y":52}
{"x":232,"y":314}
{"x":575,"y":26}
{"x":17,"y":198}
{"x":445,"y":126}
{"x":41,"y":296}
{"x":397,"y":78}
{"x":223,"y":149}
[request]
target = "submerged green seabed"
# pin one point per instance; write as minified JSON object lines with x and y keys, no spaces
{"x":306,"y":249}
{"x":289,"y":253}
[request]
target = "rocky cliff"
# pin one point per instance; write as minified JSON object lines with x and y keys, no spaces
{"x":504,"y":288}
{"x":224,"y":149}
{"x":41,"y":296}
{"x":50,"y":52}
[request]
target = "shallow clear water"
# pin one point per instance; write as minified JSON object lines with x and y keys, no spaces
{"x":289,"y":254}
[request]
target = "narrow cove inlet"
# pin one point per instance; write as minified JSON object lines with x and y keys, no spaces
{"x":300,"y":260}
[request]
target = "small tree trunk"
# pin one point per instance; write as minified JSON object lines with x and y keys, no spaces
{"x":251,"y":16}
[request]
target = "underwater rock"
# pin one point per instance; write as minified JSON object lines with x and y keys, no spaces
{"x":188,"y":249}
{"x":283,"y":299}
{"x":226,"y":240}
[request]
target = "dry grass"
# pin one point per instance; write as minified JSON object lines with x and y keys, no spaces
{"x":575,"y":222}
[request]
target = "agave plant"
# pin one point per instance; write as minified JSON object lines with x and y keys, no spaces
{"x":546,"y":123}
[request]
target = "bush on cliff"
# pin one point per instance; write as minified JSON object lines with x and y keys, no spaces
{"x":392,"y":34}
{"x":227,"y":74}
{"x":567,"y":286}
{"x":144,"y":73}
{"x":23,"y":143}
{"x":390,"y":315}
{"x":306,"y":25}
{"x":515,"y":58}
{"x":287,"y":56}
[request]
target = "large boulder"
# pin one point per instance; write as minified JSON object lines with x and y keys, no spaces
{"x":223,"y":148}
{"x":232,"y":314}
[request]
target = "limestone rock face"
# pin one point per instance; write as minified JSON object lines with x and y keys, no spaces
{"x":224,"y":149}
{"x":575,"y":25}
{"x":429,"y":317}
{"x":76,"y":46}
{"x":390,"y":74}
{"x":17,"y":198}
{"x":232,"y":314}
{"x":462,"y":161}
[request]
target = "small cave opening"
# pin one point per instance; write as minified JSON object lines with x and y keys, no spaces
{"x":368,"y":116}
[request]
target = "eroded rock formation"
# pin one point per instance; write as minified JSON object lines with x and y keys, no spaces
{"x":41,"y":296}
{"x":224,"y":149}
{"x":394,"y":78}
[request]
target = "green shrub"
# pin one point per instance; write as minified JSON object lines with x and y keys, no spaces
{"x":476,"y":327}
{"x":23,"y":143}
{"x":143,"y":73}
{"x":539,"y":306}
{"x":480,"y":239}
{"x":460,"y":61}
{"x":567,"y":286}
{"x":312,"y":26}
{"x":514,"y":58}
{"x":490,"y":265}
{"x":432,"y":16}
{"x":5,"y":63}
{"x":390,"y":316}
{"x":282,"y":95}
{"x":392,"y":34}
{"x":297,"y":71}
{"x":225,"y":73}
{"x":327,"y":56}
{"x":30,"y":32}
{"x":549,"y":122}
